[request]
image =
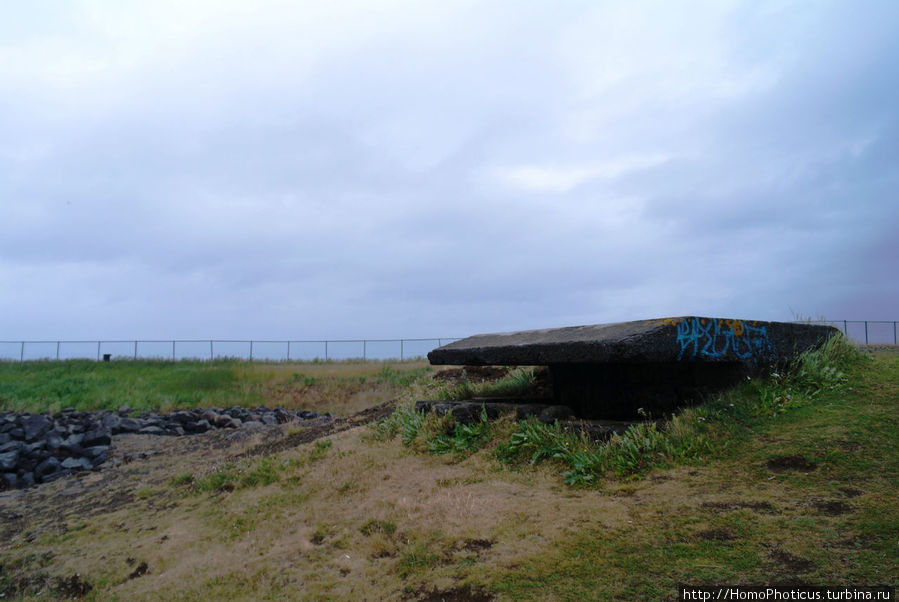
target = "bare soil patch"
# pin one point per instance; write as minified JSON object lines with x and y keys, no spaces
{"x":457,"y":594}
{"x":764,"y":507}
{"x":781,"y":464}
{"x":787,"y":563}
{"x":715,"y":535}
{"x":851,"y":492}
{"x":832,"y":507}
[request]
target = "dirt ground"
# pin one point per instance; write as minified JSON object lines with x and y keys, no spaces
{"x":138,"y":462}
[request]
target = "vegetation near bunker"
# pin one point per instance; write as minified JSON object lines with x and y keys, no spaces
{"x":781,"y":480}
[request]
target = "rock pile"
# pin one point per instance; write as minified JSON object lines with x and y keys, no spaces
{"x":39,"y":448}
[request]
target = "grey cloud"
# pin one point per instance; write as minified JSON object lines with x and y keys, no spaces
{"x":256,"y":184}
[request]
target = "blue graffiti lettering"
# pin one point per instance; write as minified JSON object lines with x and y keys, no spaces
{"x":713,"y":338}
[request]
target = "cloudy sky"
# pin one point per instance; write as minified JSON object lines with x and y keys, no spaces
{"x":342,"y":169}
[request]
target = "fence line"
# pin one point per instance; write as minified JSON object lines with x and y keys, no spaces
{"x":859,"y":330}
{"x":843,"y":325}
{"x":250,"y":348}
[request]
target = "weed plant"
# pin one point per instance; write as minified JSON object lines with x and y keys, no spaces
{"x":515,"y":384}
{"x":690,"y":436}
{"x":235,"y":476}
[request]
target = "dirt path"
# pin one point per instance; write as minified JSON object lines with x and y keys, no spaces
{"x":139,"y":463}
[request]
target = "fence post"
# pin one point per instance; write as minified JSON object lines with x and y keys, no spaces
{"x":326,"y":351}
{"x":98,"y":351}
{"x":288,"y":351}
{"x":866,"y":332}
{"x":363,"y":349}
{"x":57,"y":346}
{"x":22,"y":352}
{"x":401,"y":349}
{"x":251,"y":351}
{"x":173,"y":351}
{"x":894,"y":333}
{"x":845,"y":328}
{"x":135,"y":349}
{"x":211,"y":352}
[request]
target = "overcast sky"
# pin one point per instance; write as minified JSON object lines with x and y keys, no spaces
{"x":340,"y":169}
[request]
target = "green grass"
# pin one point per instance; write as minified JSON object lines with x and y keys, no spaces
{"x":152,"y":385}
{"x":517,"y":383}
{"x":846,"y":427}
{"x":143,"y":384}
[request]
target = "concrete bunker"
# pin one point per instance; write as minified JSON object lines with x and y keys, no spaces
{"x":622,"y":370}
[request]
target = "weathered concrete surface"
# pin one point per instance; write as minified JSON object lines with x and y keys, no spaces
{"x":613,"y":371}
{"x":663,"y":340}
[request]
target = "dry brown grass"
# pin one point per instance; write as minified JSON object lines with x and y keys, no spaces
{"x":304,"y":536}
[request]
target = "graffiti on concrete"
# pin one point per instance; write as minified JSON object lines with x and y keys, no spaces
{"x":714,"y":338}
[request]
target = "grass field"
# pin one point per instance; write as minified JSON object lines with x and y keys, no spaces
{"x":40,"y":386}
{"x":794,"y":481}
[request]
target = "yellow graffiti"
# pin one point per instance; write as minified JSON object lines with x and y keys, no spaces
{"x":736,"y":326}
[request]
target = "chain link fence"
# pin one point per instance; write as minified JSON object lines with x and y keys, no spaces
{"x":205,"y":349}
{"x":868,"y":332}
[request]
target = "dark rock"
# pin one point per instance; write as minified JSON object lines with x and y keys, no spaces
{"x":9,"y":460}
{"x":72,"y":445}
{"x":129,"y":425}
{"x":252,"y":424}
{"x":74,"y":439}
{"x":96,"y":451}
{"x":26,"y":479}
{"x":5,"y":438}
{"x":98,"y":455}
{"x":34,"y":426}
{"x":16,"y":433}
{"x":113,"y":422}
{"x":36,"y":446}
{"x":152,"y":430}
{"x":49,"y":478}
{"x":53,"y":441}
{"x":8,"y":480}
{"x":237,"y":412}
{"x":222,"y":420}
{"x":76,"y":464}
{"x":97,"y":436}
{"x":184,"y":417}
{"x":269,"y":419}
{"x":11,"y":445}
{"x":125,"y":410}
{"x":46,"y":468}
{"x":200,"y":426}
